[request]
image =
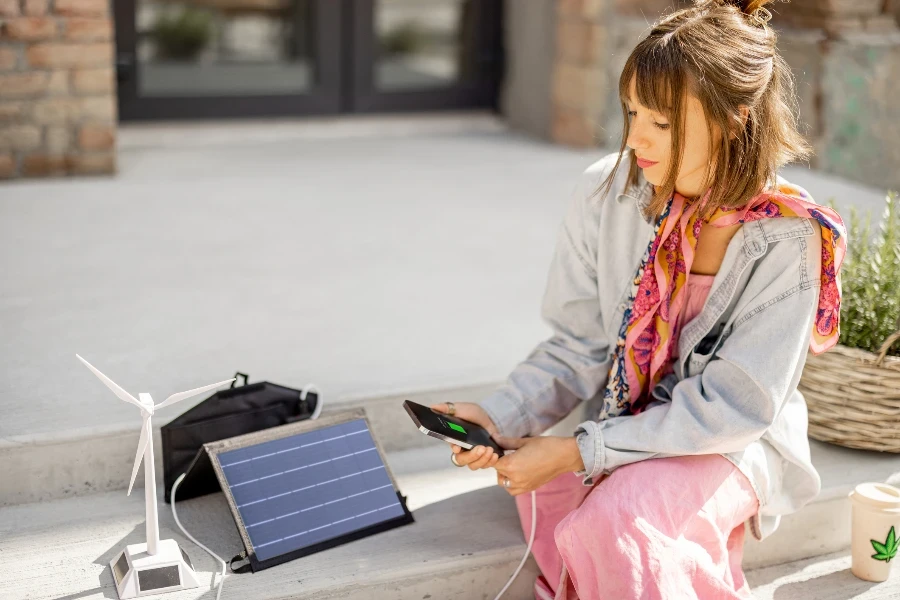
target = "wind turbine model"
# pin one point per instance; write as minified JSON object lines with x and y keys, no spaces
{"x":158,"y":565}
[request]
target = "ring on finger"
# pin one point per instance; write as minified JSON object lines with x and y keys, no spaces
{"x":451,"y":409}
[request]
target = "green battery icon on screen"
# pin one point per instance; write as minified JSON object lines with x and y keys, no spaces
{"x":456,"y":427}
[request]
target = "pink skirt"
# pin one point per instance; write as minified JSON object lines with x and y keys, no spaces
{"x":669,"y":528}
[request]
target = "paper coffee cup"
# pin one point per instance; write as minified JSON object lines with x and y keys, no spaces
{"x":875,"y":530}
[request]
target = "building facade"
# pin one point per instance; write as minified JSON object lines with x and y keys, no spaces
{"x":72,"y":70}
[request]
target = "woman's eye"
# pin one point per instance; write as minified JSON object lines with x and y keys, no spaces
{"x":632,"y":113}
{"x":662,"y":126}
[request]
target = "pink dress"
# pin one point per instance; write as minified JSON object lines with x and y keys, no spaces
{"x":665,"y":528}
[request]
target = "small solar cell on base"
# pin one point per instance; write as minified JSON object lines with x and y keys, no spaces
{"x":304,"y":487}
{"x":138,"y":573}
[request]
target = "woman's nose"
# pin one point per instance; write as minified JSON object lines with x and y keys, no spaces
{"x":636,"y":139}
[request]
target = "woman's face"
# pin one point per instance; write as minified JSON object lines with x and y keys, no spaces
{"x":650,"y":138}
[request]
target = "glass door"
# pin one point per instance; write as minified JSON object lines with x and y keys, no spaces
{"x":223,"y":58}
{"x":246,"y":58}
{"x":425,"y":54}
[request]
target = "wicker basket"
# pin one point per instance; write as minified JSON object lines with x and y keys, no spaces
{"x":854,"y":397}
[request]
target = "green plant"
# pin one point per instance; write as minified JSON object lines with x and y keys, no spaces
{"x":406,"y":38}
{"x":870,"y":304}
{"x":888,"y":549}
{"x":182,"y":35}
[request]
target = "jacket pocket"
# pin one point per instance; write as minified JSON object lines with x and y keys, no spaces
{"x":705,"y":350}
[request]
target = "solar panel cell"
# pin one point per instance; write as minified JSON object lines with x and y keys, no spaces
{"x":304,"y":489}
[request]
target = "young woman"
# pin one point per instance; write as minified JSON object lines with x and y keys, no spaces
{"x":689,"y":282}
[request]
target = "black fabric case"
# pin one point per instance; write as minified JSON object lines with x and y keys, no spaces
{"x":225,"y":414}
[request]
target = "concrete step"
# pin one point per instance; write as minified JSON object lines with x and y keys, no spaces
{"x":87,"y":461}
{"x":41,"y":470}
{"x":823,"y":526}
{"x":825,"y":577}
{"x":820,"y":528}
{"x":466,"y":543}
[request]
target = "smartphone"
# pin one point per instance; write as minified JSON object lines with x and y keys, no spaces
{"x":454,"y":430}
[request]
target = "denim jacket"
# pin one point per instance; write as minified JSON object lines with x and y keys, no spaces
{"x":734,"y":387}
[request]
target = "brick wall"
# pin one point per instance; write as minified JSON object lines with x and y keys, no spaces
{"x":845,"y":56}
{"x":580,"y":74}
{"x":57,"y":88}
{"x":837,"y":16}
{"x":593,"y":39}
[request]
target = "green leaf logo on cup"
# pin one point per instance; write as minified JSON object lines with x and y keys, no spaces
{"x":888,"y":549}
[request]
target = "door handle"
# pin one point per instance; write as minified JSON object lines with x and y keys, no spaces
{"x":124,"y":66}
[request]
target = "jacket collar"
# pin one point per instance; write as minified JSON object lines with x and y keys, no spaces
{"x":757,"y":234}
{"x":640,"y":192}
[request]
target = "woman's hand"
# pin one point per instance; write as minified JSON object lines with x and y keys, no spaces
{"x":479,"y":457}
{"x":536,"y":461}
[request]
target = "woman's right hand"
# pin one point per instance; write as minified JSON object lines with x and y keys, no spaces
{"x":479,"y":457}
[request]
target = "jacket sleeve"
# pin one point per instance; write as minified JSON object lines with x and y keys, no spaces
{"x":571,"y":365}
{"x":739,"y":393}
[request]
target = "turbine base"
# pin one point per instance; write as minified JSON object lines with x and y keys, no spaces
{"x":137,"y":573}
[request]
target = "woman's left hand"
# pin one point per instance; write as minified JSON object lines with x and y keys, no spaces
{"x":536,"y":461}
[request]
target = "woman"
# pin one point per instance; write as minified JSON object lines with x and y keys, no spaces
{"x":685,"y":291}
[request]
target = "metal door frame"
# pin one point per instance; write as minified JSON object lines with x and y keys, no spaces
{"x":344,"y":57}
{"x":480,"y":92}
{"x":324,"y":98}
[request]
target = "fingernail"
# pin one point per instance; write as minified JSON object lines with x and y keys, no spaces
{"x":479,"y":451}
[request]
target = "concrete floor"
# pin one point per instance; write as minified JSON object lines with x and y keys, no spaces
{"x":368,"y":259}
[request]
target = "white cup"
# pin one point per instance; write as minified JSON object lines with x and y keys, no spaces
{"x":875,"y":530}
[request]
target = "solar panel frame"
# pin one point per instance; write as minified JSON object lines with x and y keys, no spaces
{"x":215,"y":449}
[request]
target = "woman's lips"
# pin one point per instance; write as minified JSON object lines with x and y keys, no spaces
{"x":642,"y":163}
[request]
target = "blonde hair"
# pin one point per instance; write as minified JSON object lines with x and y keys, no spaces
{"x":723,"y":53}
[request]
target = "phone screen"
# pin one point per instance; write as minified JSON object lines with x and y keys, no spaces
{"x":450,"y":429}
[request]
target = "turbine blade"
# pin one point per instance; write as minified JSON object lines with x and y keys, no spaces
{"x":111,"y":385}
{"x":142,"y":445}
{"x":185,"y":395}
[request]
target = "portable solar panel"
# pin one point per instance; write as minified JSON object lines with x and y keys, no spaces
{"x":303,"y":487}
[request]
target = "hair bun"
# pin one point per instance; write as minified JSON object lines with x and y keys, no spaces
{"x":752,"y":6}
{"x":754,"y":9}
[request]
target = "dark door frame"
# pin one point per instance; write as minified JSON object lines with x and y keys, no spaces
{"x":344,"y":55}
{"x":478,"y":89}
{"x":325,"y":98}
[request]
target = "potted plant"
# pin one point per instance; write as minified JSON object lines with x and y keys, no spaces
{"x":406,"y":38}
{"x":182,"y":35}
{"x":853,"y":390}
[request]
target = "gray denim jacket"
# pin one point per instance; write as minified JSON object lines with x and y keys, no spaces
{"x":734,"y":387}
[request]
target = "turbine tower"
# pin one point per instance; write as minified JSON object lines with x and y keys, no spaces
{"x":158,"y":565}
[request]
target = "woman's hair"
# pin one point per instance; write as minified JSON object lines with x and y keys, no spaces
{"x":723,"y":53}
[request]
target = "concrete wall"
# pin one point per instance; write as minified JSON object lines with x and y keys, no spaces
{"x":860,"y":113}
{"x":530,"y":40}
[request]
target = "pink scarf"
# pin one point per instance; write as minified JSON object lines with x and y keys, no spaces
{"x":650,"y":326}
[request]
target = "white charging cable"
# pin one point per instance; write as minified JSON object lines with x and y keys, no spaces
{"x":193,"y":539}
{"x":315,"y":415}
{"x":528,"y":549}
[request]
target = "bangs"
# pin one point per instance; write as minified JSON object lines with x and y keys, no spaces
{"x":657,"y":68}
{"x":659,"y":79}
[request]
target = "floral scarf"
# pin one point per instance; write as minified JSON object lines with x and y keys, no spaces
{"x":649,"y":330}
